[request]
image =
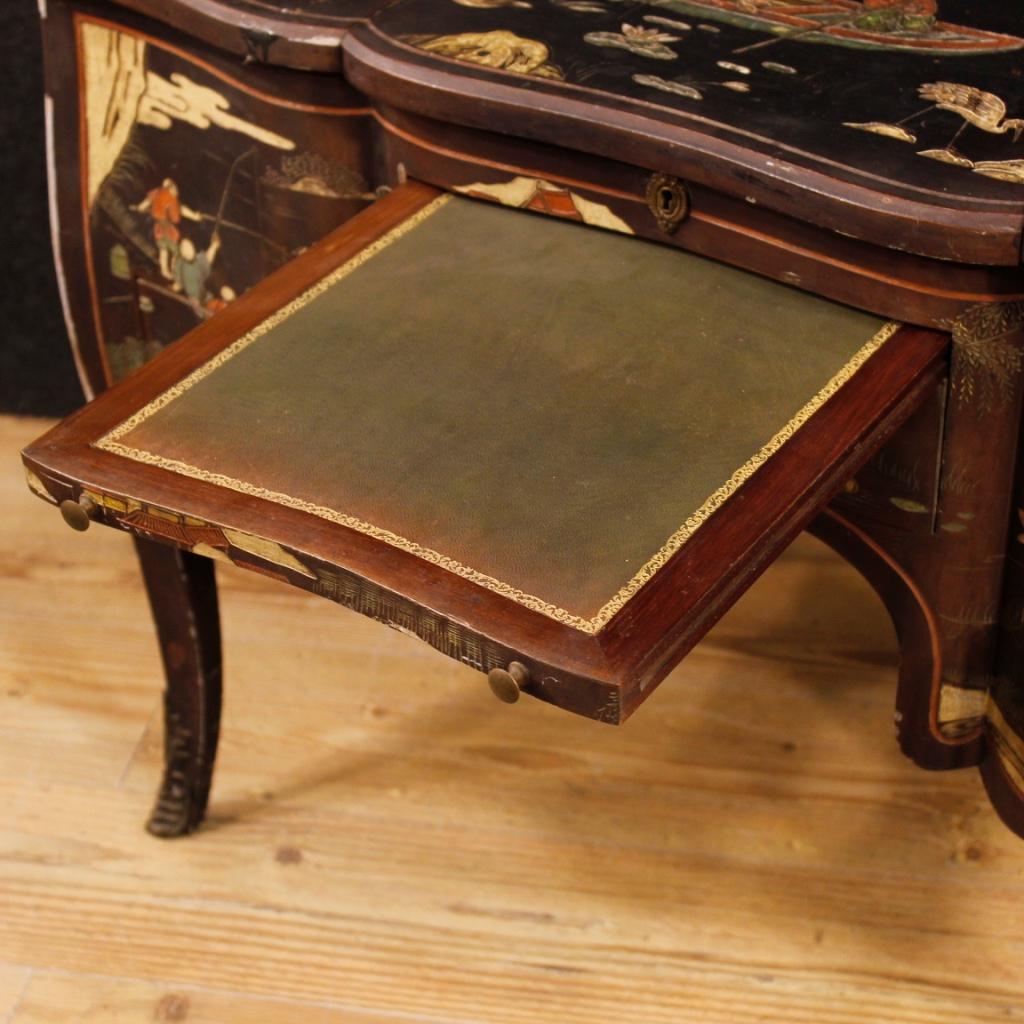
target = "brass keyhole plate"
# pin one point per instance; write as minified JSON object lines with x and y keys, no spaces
{"x":668,"y":201}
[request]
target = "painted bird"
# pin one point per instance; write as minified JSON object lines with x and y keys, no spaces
{"x":981,"y":109}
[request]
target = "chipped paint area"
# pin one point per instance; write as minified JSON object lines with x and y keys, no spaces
{"x":37,"y":487}
{"x":957,"y":704}
{"x":208,"y":551}
{"x":268,"y":550}
{"x":542,"y":196}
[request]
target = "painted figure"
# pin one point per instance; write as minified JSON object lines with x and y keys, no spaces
{"x":215,"y":303}
{"x":166,"y":209}
{"x":899,"y":15}
{"x":192,"y":270}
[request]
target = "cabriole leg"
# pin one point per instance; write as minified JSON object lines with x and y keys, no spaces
{"x":936,"y":521}
{"x":183,"y":598}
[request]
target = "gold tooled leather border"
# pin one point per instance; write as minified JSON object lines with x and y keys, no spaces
{"x":110,"y":443}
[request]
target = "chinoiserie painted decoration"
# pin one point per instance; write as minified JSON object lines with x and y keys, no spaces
{"x":981,"y":110}
{"x":195,"y":185}
{"x":777,"y":66}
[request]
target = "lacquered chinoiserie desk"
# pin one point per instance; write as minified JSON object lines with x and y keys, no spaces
{"x":768,"y":278}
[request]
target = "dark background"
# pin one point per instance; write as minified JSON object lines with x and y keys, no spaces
{"x":37,"y":374}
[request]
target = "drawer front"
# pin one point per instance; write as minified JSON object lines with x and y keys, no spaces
{"x":677,"y":211}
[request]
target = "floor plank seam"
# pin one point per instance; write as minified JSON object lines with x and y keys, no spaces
{"x":140,"y":743}
{"x":262,"y":997}
{"x":12,"y":1015}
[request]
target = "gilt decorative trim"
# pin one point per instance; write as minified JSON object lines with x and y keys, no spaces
{"x":986,"y":361}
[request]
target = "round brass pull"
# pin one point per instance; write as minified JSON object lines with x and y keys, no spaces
{"x":78,"y":514}
{"x":507,"y":684}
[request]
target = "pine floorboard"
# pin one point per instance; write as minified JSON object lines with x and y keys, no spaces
{"x":388,"y":843}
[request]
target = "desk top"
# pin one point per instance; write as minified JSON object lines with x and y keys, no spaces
{"x":304,"y":34}
{"x":896,"y":121}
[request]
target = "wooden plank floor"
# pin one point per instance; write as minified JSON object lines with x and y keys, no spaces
{"x":388,"y":843}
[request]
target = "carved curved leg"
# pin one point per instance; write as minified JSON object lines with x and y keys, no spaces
{"x":183,"y":598}
{"x":939,"y":725}
{"x":1003,"y":767}
{"x":936,"y":522}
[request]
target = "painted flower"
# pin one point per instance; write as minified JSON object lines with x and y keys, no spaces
{"x":645,"y":42}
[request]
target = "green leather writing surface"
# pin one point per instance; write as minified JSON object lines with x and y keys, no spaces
{"x":546,"y":409}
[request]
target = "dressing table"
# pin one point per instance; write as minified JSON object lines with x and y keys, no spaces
{"x":536,"y":329}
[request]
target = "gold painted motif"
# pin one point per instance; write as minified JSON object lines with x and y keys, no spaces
{"x":1001,"y":170}
{"x":987,"y":357}
{"x":644,"y":42}
{"x":498,"y":49}
{"x":120,"y":93}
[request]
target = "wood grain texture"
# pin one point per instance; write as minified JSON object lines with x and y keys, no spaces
{"x":58,"y":997}
{"x":751,"y":847}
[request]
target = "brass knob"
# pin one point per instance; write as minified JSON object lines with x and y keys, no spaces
{"x":507,"y":684}
{"x":78,"y":514}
